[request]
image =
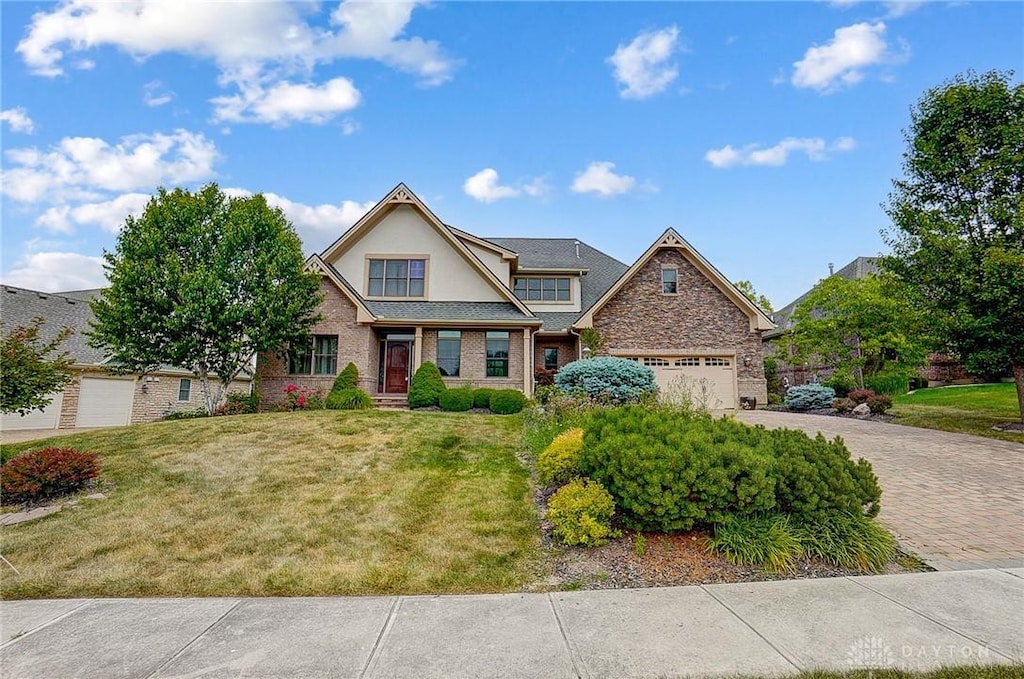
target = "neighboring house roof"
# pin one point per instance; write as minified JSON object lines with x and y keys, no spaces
{"x":858,"y":268}
{"x":84,"y":295}
{"x":672,"y":240}
{"x":501,"y":312}
{"x":19,"y":306}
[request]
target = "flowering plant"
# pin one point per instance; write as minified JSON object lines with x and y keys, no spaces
{"x":300,"y":398}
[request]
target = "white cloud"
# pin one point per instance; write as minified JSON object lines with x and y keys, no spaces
{"x":599,"y":178}
{"x":257,"y":46}
{"x":284,"y":103}
{"x":349,"y":127}
{"x":56,"y":271}
{"x":18,"y":120}
{"x":484,"y":187}
{"x":841,"y":62}
{"x":899,"y":8}
{"x":109,"y":215}
{"x":814,"y":148}
{"x":81,"y":167}
{"x":642,"y":67}
{"x":538,"y":188}
{"x":155,"y":94}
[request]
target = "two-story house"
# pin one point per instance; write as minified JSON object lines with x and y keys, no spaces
{"x":401,"y":287}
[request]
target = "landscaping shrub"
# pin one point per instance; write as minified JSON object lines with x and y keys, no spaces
{"x":349,"y":398}
{"x":300,"y":398}
{"x":771,"y":377}
{"x":482,"y":397}
{"x":186,"y":414}
{"x":842,"y":382}
{"x":859,"y":396}
{"x":880,"y":403}
{"x":426,"y":387}
{"x":242,"y":403}
{"x":670,"y":473}
{"x":543,"y":377}
{"x":765,"y":541}
{"x":347,"y":378}
{"x":843,"y":405}
{"x":560,"y":411}
{"x":456,"y":400}
{"x":560,"y":461}
{"x":230,"y":408}
{"x":774,"y":399}
{"x":606,"y":378}
{"x":810,"y":397}
{"x":46,"y":473}
{"x":507,"y":401}
{"x":891,"y":383}
{"x":848,"y":541}
{"x":581,"y":513}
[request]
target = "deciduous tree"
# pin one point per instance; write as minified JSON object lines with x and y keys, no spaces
{"x":204,"y":282}
{"x":32,"y":368}
{"x":762,"y":302}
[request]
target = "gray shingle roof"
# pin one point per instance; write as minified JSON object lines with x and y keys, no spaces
{"x":448,"y":311}
{"x":560,"y":253}
{"x":19,"y":306}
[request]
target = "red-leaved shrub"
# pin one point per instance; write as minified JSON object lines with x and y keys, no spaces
{"x":40,"y":474}
{"x":859,"y":396}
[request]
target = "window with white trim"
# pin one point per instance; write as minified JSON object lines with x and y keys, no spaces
{"x":314,"y":355}
{"x":184,"y":389}
{"x":397,"y":277}
{"x":669,"y":278}
{"x":543,"y":289}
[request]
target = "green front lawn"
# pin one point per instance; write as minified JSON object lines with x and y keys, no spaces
{"x":326,"y":502}
{"x":970,"y":409}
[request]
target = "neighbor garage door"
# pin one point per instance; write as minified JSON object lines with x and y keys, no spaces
{"x":105,"y":402}
{"x":45,"y":419}
{"x":709,"y":380}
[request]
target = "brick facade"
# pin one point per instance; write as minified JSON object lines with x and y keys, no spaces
{"x":567,"y":350}
{"x":473,"y":359}
{"x":700,"y":318}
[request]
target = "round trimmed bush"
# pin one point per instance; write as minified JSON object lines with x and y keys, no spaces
{"x":607,"y":378}
{"x":581,"y":512}
{"x":348,"y":399}
{"x":482,"y":397}
{"x":507,"y":401}
{"x":456,"y":400}
{"x":560,"y":461}
{"x":45,"y":473}
{"x":426,"y":387}
{"x":810,"y":397}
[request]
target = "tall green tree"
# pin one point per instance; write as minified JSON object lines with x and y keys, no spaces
{"x":204,"y":282}
{"x":957,"y":215}
{"x":762,"y":302}
{"x":858,"y":327}
{"x":32,"y":368}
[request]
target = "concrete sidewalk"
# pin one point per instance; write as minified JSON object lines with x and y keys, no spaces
{"x":918,"y":621}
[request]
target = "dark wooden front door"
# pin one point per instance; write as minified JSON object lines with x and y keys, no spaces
{"x":396,"y":368}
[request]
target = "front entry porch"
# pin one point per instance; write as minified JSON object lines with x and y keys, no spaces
{"x":396,"y":353}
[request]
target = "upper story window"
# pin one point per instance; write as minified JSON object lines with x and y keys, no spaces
{"x":317,"y":355}
{"x":668,"y":281}
{"x":543,"y":289}
{"x":397,"y":277}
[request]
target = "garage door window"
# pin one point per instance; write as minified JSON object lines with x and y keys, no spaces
{"x":712,"y":362}
{"x":688,"y":361}
{"x":184,"y":389}
{"x":655,"y":362}
{"x":668,"y":281}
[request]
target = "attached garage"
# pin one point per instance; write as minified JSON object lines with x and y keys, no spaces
{"x":105,"y":402}
{"x":47,"y":418}
{"x":710,"y":379}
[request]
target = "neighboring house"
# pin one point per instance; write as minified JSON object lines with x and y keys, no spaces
{"x":94,"y":397}
{"x":941,"y":369}
{"x":401,"y":288}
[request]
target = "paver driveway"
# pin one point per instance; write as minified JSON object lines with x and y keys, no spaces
{"x":954,"y":499}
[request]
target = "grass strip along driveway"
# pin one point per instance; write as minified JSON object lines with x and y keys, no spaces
{"x":973,"y":409}
{"x":289,"y":504}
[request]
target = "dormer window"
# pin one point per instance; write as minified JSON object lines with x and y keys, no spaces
{"x":543,"y":289}
{"x":396,"y":277}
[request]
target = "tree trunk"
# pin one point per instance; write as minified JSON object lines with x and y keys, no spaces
{"x":1018,"y":378}
{"x":204,"y":382}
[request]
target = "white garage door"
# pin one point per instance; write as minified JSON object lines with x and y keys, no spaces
{"x":708,"y":380}
{"x":105,"y":402}
{"x":47,"y":418}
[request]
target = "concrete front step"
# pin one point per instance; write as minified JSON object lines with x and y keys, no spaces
{"x":389,"y":401}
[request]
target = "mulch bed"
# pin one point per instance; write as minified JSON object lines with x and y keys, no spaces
{"x":832,"y":412}
{"x":1012,"y":427}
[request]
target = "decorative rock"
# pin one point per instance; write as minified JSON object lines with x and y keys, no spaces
{"x":96,"y":496}
{"x":28,"y":515}
{"x":862,"y":410}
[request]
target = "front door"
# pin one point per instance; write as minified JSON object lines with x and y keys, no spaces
{"x":396,"y":367}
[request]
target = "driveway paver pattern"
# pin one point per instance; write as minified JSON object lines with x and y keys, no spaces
{"x":955,"y":500}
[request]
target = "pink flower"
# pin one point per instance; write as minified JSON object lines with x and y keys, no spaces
{"x":291,"y":388}
{"x":301,"y":401}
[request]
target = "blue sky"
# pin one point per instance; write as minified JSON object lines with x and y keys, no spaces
{"x":767,"y":134}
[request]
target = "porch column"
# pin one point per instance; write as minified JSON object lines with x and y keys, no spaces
{"x":417,"y":349}
{"x":527,"y":362}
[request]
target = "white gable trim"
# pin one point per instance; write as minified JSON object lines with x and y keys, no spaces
{"x":401,"y":195}
{"x":363,"y":314}
{"x":672,"y":240}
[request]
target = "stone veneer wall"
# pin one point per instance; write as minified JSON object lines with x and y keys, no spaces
{"x":700,"y":318}
{"x":473,"y":359}
{"x":356,"y":344}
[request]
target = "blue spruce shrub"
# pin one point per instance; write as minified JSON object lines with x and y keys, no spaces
{"x":616,"y":379}
{"x":810,"y":397}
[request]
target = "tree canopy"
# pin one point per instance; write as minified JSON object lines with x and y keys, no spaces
{"x":32,"y":369}
{"x":204,"y":282}
{"x":762,"y":302}
{"x":958,"y":219}
{"x":859,"y":327}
